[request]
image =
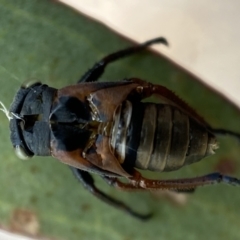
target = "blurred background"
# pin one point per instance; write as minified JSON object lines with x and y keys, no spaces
{"x":203,"y":36}
{"x":50,"y":42}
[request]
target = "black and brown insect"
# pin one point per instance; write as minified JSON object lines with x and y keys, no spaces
{"x":107,"y":129}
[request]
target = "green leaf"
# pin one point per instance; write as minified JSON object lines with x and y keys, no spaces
{"x":46,"y":41}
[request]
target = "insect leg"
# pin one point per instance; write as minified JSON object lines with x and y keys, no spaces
{"x":134,"y":187}
{"x":224,"y":132}
{"x":157,"y":89}
{"x":182,"y":184}
{"x":88,"y":182}
{"x":147,"y":89}
{"x":97,"y":70}
{"x":136,"y":181}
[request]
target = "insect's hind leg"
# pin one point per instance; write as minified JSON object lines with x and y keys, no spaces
{"x":224,"y":132}
{"x":131,"y":186}
{"x":97,"y":70}
{"x":147,"y":89}
{"x":182,"y":184}
{"x":138,"y":182}
{"x":88,"y":182}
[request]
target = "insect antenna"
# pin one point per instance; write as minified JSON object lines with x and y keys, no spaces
{"x":9,"y":115}
{"x":5,"y":111}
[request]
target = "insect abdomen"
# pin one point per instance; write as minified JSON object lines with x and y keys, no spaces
{"x":161,"y":137}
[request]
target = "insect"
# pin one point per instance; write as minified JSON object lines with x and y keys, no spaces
{"x":107,"y":129}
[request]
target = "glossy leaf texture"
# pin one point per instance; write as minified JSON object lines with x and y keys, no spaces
{"x":45,"y":41}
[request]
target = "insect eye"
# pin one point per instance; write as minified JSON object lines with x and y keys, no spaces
{"x":21,"y":153}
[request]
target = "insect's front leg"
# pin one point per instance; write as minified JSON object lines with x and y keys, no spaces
{"x":97,"y":70}
{"x":88,"y":182}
